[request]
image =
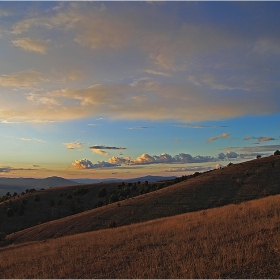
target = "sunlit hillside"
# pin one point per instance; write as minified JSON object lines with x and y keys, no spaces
{"x":234,"y":241}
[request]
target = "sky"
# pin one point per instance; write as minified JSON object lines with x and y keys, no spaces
{"x":128,"y":89}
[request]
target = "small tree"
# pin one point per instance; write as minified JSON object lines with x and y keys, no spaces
{"x":277,"y":153}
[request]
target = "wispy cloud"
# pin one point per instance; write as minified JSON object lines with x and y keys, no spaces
{"x":247,"y":138}
{"x":264,"y":139}
{"x":24,"y":79}
{"x":140,"y":127}
{"x":73,"y":145}
{"x":32,"y":139}
{"x":31,"y":45}
{"x":189,"y":169}
{"x":224,"y":135}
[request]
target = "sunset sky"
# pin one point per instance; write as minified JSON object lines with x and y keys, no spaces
{"x":127,"y":89}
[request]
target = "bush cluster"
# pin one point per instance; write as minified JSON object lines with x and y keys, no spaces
{"x":80,"y":191}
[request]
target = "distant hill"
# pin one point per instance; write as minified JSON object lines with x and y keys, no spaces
{"x":148,"y":178}
{"x":19,"y":185}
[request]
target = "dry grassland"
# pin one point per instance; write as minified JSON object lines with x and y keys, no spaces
{"x":234,"y":241}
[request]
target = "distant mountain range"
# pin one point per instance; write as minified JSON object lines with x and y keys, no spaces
{"x":148,"y":178}
{"x":19,"y":185}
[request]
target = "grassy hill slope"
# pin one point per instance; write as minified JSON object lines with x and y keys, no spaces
{"x":235,"y":241}
{"x":233,"y":184}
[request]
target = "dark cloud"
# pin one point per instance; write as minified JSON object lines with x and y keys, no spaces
{"x":106,"y":148}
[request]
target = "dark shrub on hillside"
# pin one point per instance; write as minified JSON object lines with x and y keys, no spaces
{"x":37,"y":197}
{"x":52,"y":202}
{"x":277,"y":153}
{"x":69,"y":195}
{"x":112,"y":224}
{"x":102,"y":192}
{"x":99,"y":203}
{"x":113,"y":198}
{"x":2,"y":235}
{"x":80,"y":191}
{"x":10,"y":212}
{"x":60,"y":202}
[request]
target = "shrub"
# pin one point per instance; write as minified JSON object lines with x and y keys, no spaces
{"x":2,"y":235}
{"x":52,"y":202}
{"x":69,"y":196}
{"x":99,"y":203}
{"x":10,"y":212}
{"x":113,"y":198}
{"x":112,"y":224}
{"x":277,"y":153}
{"x":37,"y":197}
{"x":60,"y":202}
{"x":102,"y":192}
{"x":80,"y":191}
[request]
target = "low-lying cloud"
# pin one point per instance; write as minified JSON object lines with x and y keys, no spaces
{"x":87,"y":164}
{"x":163,"y":158}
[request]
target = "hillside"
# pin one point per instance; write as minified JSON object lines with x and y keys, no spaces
{"x":237,"y":241}
{"x":233,"y":184}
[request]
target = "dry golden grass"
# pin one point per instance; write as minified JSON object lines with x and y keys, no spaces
{"x":234,"y":241}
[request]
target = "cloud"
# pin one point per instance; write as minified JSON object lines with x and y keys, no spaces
{"x":187,"y":125}
{"x":140,"y":127}
{"x":106,"y":148}
{"x":256,"y":149}
{"x":189,"y":169}
{"x":37,"y":46}
{"x":163,"y":158}
{"x":247,"y":138}
{"x":73,"y":145}
{"x":87,"y":164}
{"x":5,"y":169}
{"x":11,"y":169}
{"x":100,"y":152}
{"x":209,"y":69}
{"x":32,"y":139}
{"x":224,"y":135}
{"x":264,"y":139}
{"x":24,"y":79}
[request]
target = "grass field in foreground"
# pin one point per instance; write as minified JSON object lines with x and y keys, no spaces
{"x":233,"y":241}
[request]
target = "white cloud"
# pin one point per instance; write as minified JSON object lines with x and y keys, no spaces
{"x":37,"y":46}
{"x":161,"y":159}
{"x":32,"y":139}
{"x":87,"y":164}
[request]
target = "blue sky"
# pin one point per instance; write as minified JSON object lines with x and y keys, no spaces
{"x":126,"y":89}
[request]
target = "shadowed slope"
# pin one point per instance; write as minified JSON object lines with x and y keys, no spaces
{"x":233,"y":184}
